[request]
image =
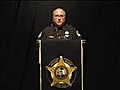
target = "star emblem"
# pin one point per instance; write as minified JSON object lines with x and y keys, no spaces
{"x":61,"y":73}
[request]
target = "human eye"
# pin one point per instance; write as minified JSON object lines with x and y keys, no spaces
{"x":61,"y":16}
{"x":56,"y":15}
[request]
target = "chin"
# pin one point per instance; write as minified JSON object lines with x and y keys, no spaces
{"x":59,"y":25}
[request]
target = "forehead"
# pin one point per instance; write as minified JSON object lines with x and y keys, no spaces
{"x":58,"y":11}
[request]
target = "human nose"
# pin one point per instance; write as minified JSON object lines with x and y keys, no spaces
{"x":59,"y":19}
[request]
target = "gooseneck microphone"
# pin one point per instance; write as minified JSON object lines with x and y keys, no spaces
{"x":58,"y":35}
{"x":56,"y":30}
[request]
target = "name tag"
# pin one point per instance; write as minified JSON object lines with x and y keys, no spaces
{"x":51,"y":37}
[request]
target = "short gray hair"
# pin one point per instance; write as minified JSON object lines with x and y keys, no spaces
{"x":54,"y":11}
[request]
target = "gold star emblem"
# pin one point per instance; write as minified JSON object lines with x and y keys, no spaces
{"x":61,"y":73}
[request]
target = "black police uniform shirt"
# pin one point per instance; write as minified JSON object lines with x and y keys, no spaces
{"x":66,"y":32}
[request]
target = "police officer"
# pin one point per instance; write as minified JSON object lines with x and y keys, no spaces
{"x":59,"y":30}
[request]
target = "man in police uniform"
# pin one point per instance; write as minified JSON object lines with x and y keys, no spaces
{"x":59,"y":30}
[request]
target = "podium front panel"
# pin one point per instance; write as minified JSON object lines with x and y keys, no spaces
{"x":69,"y":49}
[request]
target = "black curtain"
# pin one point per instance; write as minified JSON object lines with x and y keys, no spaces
{"x":22,"y":21}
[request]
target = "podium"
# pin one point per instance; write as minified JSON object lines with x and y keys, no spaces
{"x":65,"y":56}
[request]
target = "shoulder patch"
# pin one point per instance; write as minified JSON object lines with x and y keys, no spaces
{"x":78,"y":34}
{"x":40,"y":35}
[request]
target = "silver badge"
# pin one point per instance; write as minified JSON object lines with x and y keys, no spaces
{"x":66,"y":34}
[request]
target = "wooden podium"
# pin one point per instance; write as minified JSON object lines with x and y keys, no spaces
{"x":56,"y":53}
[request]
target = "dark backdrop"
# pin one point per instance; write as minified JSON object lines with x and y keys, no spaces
{"x":21,"y":22}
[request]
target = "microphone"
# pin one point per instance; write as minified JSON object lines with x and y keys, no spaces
{"x":63,"y":37}
{"x":56,"y":30}
{"x":60,"y":36}
{"x":66,"y":35}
